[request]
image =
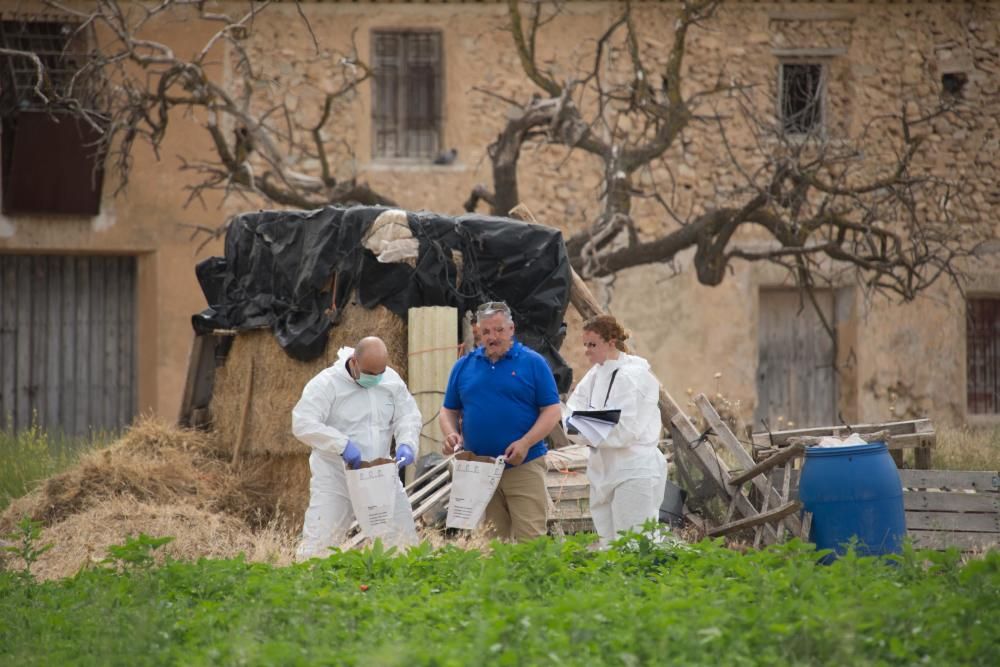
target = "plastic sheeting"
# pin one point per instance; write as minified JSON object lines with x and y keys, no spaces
{"x":279,"y":265}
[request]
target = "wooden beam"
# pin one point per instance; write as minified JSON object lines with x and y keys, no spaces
{"x":768,"y":463}
{"x":762,"y":518}
{"x":742,"y":456}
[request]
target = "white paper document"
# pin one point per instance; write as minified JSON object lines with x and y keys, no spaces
{"x":593,"y":430}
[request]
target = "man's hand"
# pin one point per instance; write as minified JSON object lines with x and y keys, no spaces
{"x":352,"y":455}
{"x":453,"y":443}
{"x":516,"y":451}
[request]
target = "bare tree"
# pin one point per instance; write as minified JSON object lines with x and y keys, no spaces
{"x":819,"y":205}
{"x":258,"y":141}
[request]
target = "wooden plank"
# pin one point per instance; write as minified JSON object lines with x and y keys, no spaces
{"x":742,"y":457}
{"x":763,"y":510}
{"x":558,"y":493}
{"x":22,"y":392}
{"x":98,"y":333}
{"x":922,"y":458}
{"x":81,"y":349}
{"x":129,"y":327}
{"x":762,"y":518}
{"x":966,"y":541}
{"x":68,"y":342}
{"x":768,"y":463}
{"x":943,"y":501}
{"x":952,"y":480}
{"x":8,"y":345}
{"x":53,"y":322}
{"x":807,"y":519}
{"x":786,"y":491}
{"x":780,"y":438}
{"x":570,"y":512}
{"x":201,"y":346}
{"x":112,"y":334}
{"x":952,"y":521}
{"x":554,"y":478}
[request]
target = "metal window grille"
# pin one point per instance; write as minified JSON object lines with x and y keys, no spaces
{"x":983,"y":356}
{"x":59,"y":45}
{"x":802,"y":88}
{"x":406,"y":110}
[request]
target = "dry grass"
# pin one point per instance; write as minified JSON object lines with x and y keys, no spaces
{"x":81,"y":540}
{"x":278,"y":379}
{"x":166,"y":481}
{"x":967,"y":448}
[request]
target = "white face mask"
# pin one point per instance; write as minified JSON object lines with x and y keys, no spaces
{"x":366,"y":380}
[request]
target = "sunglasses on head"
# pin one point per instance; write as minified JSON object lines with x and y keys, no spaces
{"x":493,"y":307}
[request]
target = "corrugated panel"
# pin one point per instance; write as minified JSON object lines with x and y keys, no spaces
{"x":433,"y":346}
{"x":67,"y":350}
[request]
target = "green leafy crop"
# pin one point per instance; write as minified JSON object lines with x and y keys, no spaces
{"x":648,"y":600}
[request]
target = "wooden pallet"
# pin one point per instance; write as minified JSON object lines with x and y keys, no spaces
{"x":915,"y":434}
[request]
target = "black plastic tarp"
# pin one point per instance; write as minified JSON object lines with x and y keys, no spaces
{"x":278,"y":267}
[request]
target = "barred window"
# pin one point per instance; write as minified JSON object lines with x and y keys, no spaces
{"x":50,"y":158}
{"x":983,"y":355}
{"x":406,"y":109}
{"x":802,"y":88}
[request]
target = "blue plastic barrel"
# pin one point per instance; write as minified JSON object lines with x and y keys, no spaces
{"x":853,"y":491}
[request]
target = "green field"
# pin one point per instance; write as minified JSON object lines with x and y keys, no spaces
{"x":547,"y":602}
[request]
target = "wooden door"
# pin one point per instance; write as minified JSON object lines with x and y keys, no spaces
{"x":67,"y":342}
{"x":796,"y":378}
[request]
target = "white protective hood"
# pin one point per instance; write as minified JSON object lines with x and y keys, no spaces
{"x":335,"y":408}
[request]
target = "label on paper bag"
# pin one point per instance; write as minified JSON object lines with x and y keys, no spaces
{"x":474,"y":479}
{"x":373,"y":495}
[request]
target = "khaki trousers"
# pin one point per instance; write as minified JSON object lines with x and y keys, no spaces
{"x":519,"y":508}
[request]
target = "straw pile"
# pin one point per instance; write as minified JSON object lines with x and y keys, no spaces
{"x":162,"y":481}
{"x":277,"y":381}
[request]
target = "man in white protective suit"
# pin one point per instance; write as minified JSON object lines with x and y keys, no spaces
{"x":348,"y":413}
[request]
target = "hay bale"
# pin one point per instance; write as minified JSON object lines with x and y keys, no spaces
{"x":278,"y":380}
{"x":82,"y":539}
{"x":269,"y":490}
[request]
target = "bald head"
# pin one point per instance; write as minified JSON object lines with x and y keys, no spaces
{"x":371,"y":355}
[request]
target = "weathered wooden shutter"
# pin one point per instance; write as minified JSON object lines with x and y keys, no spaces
{"x":406,"y":110}
{"x":983,"y":356}
{"x":796,"y":376}
{"x":67,"y":342}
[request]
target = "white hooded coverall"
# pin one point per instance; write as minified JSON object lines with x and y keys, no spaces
{"x":334,"y":409}
{"x":627,"y":472}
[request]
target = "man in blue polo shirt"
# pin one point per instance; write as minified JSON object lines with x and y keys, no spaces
{"x":505,"y":398}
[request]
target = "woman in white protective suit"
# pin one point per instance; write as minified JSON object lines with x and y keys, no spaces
{"x":626,"y":470}
{"x":348,"y":413}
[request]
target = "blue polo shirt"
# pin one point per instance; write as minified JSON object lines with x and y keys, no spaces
{"x":500,"y":402}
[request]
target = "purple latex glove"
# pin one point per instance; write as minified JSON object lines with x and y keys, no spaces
{"x":404,"y":455}
{"x":352,"y":455}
